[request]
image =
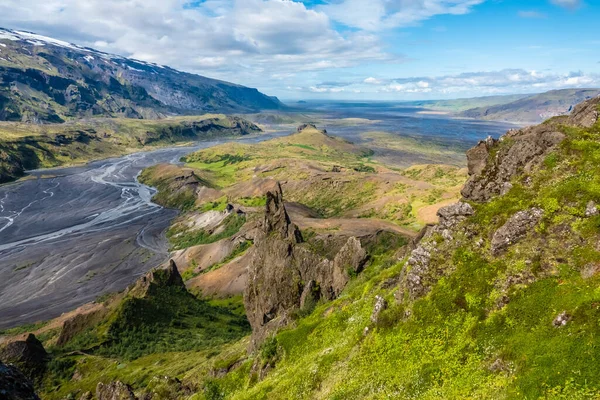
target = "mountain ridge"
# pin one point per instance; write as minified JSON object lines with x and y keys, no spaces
{"x":48,"y":80}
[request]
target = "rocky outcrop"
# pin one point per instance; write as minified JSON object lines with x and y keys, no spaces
{"x":450,"y":216}
{"x":302,"y":127}
{"x":515,"y":229}
{"x":157,"y":278}
{"x":284,"y":273}
{"x":28,"y":355}
{"x":380,"y":306}
{"x":493,"y":164}
{"x":14,"y":385}
{"x":78,"y":323}
{"x":419,"y":274}
{"x":116,"y":390}
{"x":585,"y":114}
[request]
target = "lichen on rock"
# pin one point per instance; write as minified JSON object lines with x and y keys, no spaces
{"x":515,"y":229}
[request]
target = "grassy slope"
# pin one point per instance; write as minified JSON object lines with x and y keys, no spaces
{"x":365,"y":188}
{"x":456,"y":342}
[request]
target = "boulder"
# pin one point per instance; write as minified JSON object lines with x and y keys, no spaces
{"x":515,"y":229}
{"x":28,"y":355}
{"x":14,"y":385}
{"x":115,"y":390}
{"x":561,"y":319}
{"x":591,"y":210}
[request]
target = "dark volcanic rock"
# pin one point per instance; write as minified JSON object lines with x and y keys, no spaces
{"x":515,"y":228}
{"x":306,"y":126}
{"x":159,"y":277}
{"x":28,"y":355}
{"x":116,"y":390}
{"x":284,"y":272}
{"x":492,"y":164}
{"x":14,"y":385}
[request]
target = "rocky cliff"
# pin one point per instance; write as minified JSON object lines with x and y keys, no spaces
{"x":284,"y":275}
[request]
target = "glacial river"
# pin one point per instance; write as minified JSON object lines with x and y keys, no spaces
{"x":72,"y":234}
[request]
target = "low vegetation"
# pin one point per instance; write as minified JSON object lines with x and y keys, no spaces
{"x":26,"y":146}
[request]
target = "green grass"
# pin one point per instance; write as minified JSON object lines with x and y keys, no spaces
{"x":184,"y":239}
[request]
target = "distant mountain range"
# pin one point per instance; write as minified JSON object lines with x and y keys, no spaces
{"x":534,"y":108}
{"x":48,"y":80}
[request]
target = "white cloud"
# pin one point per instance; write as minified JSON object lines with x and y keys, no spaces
{"x":242,"y":40}
{"x":567,"y":3}
{"x":504,"y":81}
{"x":375,"y":15}
{"x":531,"y":14}
{"x":372,"y":81}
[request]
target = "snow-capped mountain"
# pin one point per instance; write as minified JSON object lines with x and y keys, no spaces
{"x":49,"y":80}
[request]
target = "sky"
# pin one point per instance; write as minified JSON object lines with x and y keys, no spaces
{"x":341,"y":49}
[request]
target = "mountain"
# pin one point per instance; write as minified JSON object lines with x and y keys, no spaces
{"x":534,"y":108}
{"x":458,"y":105}
{"x":48,"y":80}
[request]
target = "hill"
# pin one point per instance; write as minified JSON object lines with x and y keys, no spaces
{"x":533,"y":109}
{"x":31,"y":146}
{"x":498,"y":300}
{"x":459,"y":105}
{"x":48,"y":80}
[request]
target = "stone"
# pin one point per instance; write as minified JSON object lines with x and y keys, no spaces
{"x":452,"y":215}
{"x":115,"y":390}
{"x":591,"y":210}
{"x":515,"y":229}
{"x":14,"y":385}
{"x":561,"y":319}
{"x":418,"y":262}
{"x":380,"y":306}
{"x":28,"y":355}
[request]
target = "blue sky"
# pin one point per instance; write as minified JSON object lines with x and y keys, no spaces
{"x":342,"y":49}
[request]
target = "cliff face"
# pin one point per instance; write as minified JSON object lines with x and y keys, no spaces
{"x":284,"y":275}
{"x":494,"y":163}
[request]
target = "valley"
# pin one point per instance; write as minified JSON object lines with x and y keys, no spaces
{"x":299,"y":200}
